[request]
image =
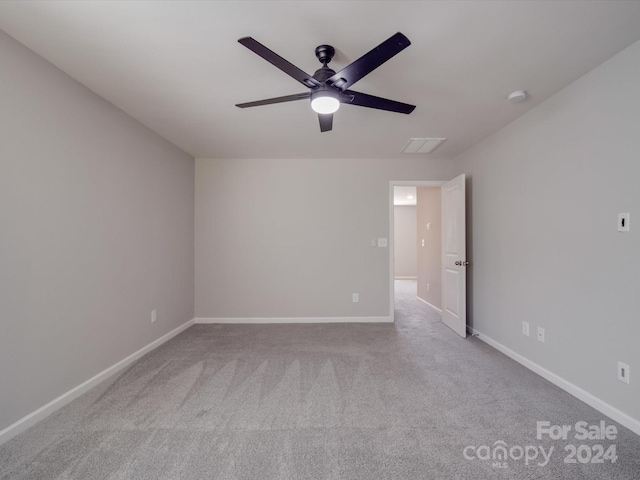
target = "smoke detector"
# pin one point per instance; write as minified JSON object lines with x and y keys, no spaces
{"x":517,"y":96}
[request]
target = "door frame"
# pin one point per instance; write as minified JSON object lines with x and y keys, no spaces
{"x":400,"y":183}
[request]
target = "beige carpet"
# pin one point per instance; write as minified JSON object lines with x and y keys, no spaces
{"x":325,"y":401}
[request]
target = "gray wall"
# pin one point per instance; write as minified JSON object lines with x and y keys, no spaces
{"x":430,"y":256}
{"x":291,"y":238}
{"x":96,"y":230}
{"x":405,"y":235}
{"x":544,"y":195}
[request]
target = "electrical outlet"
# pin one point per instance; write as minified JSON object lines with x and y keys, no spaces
{"x":623,"y":372}
{"x":541,"y":334}
{"x":355,"y":298}
{"x":382,"y":242}
{"x":153,"y":316}
{"x":525,"y":329}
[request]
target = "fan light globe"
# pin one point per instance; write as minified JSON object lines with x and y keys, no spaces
{"x":325,"y":104}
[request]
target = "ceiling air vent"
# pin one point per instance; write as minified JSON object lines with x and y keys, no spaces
{"x":422,"y":145}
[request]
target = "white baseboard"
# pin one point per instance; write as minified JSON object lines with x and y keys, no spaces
{"x":46,"y":410}
{"x":600,"y":405}
{"x":433,"y":307}
{"x":254,"y":320}
{"x":405,"y":278}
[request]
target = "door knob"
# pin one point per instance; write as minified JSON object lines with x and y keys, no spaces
{"x":465,"y":263}
{"x":458,"y":262}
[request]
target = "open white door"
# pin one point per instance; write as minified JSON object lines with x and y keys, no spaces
{"x":454,"y":264}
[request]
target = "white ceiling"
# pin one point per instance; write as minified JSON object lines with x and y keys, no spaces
{"x":177,"y":66}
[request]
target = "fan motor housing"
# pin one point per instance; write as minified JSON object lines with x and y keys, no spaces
{"x":322,"y":74}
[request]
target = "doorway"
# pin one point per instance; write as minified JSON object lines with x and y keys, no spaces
{"x":415,"y":242}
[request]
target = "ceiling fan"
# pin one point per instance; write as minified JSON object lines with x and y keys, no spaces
{"x":329,"y":89}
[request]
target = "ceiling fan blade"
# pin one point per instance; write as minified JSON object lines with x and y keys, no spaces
{"x":276,"y":60}
{"x":269,"y":101}
{"x":365,"y":100}
{"x":326,"y":121}
{"x":368,"y":62}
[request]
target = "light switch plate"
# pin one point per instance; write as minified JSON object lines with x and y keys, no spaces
{"x":623,"y":372}
{"x":382,"y":242}
{"x":623,"y":222}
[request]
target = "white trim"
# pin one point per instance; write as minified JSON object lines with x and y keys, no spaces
{"x":432,"y":307}
{"x":46,"y":410}
{"x":391,"y":235}
{"x":417,"y":183}
{"x":254,"y":320}
{"x":591,"y":400}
